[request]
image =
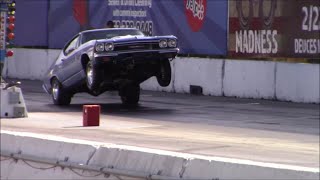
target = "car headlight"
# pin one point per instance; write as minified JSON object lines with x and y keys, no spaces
{"x":172,"y":43}
{"x":109,"y":46}
{"x":99,"y":47}
{"x":163,"y":43}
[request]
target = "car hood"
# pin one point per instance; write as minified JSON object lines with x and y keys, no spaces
{"x":128,"y":38}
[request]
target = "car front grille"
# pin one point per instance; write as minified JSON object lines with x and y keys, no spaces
{"x":136,"y":46}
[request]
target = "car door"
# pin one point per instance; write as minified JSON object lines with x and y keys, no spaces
{"x":70,"y":64}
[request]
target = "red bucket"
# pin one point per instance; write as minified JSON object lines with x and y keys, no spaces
{"x":91,"y":115}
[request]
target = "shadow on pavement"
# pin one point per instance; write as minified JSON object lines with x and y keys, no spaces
{"x":106,"y":109}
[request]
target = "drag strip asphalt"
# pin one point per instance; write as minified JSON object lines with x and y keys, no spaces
{"x":259,"y":130}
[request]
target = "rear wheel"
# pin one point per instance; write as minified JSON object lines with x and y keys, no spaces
{"x":130,"y":94}
{"x":164,"y":73}
{"x":93,"y":78}
{"x":59,"y":95}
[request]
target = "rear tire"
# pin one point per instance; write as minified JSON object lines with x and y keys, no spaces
{"x":130,"y":94}
{"x":59,"y":95}
{"x":164,"y":73}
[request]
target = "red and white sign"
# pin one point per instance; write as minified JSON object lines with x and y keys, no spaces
{"x":195,"y":12}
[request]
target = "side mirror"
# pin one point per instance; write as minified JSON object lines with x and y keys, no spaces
{"x":70,"y":50}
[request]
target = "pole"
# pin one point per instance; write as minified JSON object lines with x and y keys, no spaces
{"x":3,"y":24}
{"x":7,"y":13}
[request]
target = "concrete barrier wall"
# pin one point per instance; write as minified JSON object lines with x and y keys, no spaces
{"x":206,"y":73}
{"x":129,"y":158}
{"x":202,"y":72}
{"x":249,"y":79}
{"x":296,"y":82}
{"x":30,"y":63}
{"x":231,"y":169}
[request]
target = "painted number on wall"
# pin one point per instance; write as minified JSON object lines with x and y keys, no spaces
{"x":311,"y":20}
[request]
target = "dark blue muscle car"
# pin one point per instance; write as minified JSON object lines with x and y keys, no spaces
{"x":116,"y":59}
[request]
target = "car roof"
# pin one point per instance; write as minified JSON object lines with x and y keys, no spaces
{"x":106,"y":29}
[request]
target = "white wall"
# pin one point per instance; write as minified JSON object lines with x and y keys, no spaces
{"x":249,"y":79}
{"x":296,"y":82}
{"x":129,"y":158}
{"x":30,"y":63}
{"x":203,"y":72}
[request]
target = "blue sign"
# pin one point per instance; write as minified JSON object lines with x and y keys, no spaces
{"x":31,"y":24}
{"x":200,"y":25}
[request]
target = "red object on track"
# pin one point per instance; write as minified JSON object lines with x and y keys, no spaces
{"x":91,"y":115}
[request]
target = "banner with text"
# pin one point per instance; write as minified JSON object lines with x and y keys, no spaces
{"x":31,"y":23}
{"x":274,"y":28}
{"x":200,"y":25}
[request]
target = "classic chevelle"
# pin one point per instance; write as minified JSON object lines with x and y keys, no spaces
{"x":116,"y":59}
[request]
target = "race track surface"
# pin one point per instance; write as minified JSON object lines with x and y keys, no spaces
{"x":259,"y":130}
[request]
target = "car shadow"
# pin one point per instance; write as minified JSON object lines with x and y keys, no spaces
{"x":107,"y":109}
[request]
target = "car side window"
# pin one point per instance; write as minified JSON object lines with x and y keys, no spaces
{"x":71,"y":46}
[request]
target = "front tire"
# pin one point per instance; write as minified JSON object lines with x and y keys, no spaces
{"x":93,"y":78}
{"x":164,"y":73}
{"x":59,"y":95}
{"x":130,"y":94}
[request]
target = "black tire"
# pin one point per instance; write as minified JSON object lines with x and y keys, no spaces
{"x":130,"y":94}
{"x":164,"y":73}
{"x":59,"y":95}
{"x":93,"y":77}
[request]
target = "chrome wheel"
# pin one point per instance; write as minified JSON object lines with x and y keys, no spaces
{"x":59,"y":95}
{"x":55,"y":90}
{"x":93,"y":78}
{"x":89,"y":74}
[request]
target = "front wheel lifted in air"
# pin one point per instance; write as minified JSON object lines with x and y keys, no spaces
{"x":164,"y":73}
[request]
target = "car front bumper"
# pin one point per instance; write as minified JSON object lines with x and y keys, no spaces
{"x":159,"y":52}
{"x":136,"y":56}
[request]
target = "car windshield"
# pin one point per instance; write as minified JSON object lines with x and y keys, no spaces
{"x":109,"y":33}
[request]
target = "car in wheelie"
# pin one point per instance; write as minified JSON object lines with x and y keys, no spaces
{"x":114,"y":59}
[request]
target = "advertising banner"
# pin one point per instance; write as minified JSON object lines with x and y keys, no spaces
{"x":31,"y":24}
{"x":274,"y":28}
{"x":200,"y":25}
